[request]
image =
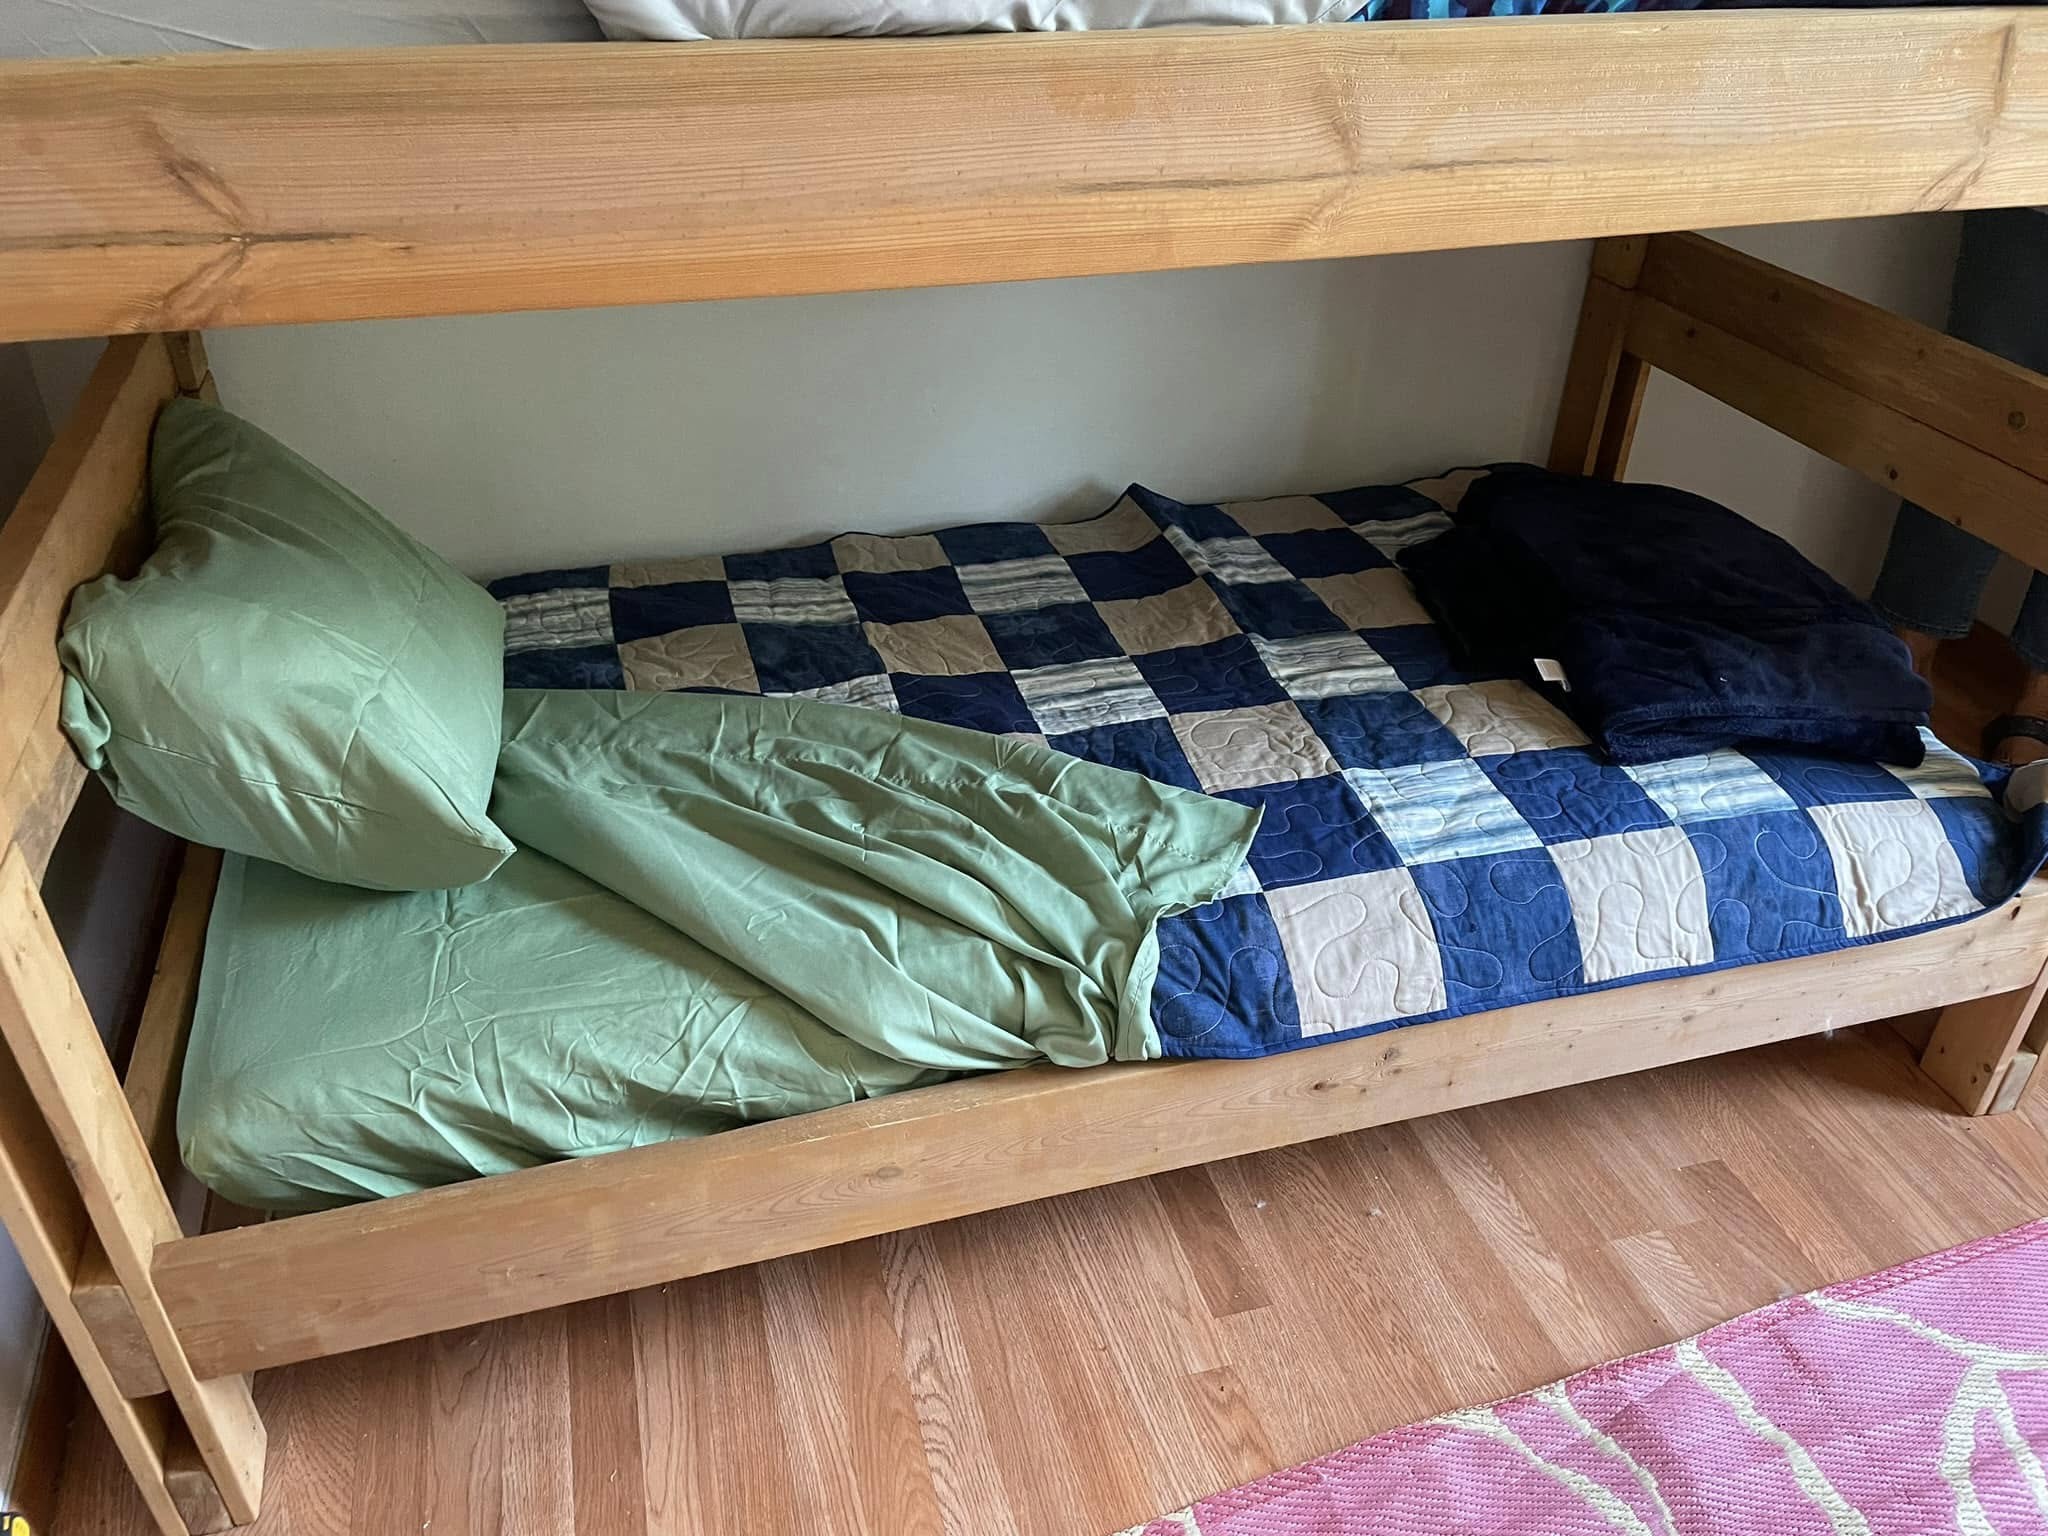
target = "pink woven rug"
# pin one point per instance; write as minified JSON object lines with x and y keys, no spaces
{"x":1910,"y":1401}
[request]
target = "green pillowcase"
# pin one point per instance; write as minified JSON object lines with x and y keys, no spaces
{"x":289,"y":676}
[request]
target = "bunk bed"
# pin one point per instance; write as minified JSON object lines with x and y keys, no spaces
{"x":149,"y":200}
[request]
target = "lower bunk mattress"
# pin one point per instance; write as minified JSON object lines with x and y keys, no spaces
{"x":1433,"y":841}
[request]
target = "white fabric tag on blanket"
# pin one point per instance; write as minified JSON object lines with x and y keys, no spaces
{"x":1552,"y":672}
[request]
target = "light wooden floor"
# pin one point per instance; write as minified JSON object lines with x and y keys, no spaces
{"x":1078,"y":1365}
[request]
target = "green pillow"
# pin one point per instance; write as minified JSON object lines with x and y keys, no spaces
{"x":289,"y":676}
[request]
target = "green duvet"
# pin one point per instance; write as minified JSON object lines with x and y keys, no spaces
{"x":721,"y":910}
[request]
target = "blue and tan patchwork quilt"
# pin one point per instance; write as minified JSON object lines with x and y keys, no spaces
{"x":1435,"y":841}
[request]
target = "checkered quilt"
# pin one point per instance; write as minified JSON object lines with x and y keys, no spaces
{"x":1435,"y":841}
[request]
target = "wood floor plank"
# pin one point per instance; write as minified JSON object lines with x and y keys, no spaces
{"x":1109,"y":1238}
{"x":1501,"y":1221}
{"x":1879,"y":1115}
{"x":1733,"y":1276}
{"x":1076,"y":1353}
{"x":95,"y":1493}
{"x":1478,"y":1280}
{"x":1029,"y":1438}
{"x":316,"y":1458}
{"x":671,"y":1461}
{"x":1076,"y":1366}
{"x":1767,"y":1154}
{"x":1644,"y":1144}
{"x":1842,"y":1152}
{"x":1207,"y":1235}
{"x":1234,"y":1439}
{"x":1683,"y":1300}
{"x":2017,"y":1148}
{"x":467,"y":1403}
{"x":893,"y":1477}
{"x":605,"y":1433}
{"x":1528,"y":1139}
{"x":810,"y":1401}
{"x":1131,"y":1246}
{"x":535,"y":1467}
{"x":1281,"y":1359}
{"x":1627,"y":1323}
{"x":394,"y":1415}
{"x":1731,"y":1211}
{"x":731,"y":1402}
{"x":1350,"y":1278}
{"x":952,"y":1430}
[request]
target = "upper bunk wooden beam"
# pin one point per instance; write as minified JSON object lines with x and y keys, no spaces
{"x":209,"y":190}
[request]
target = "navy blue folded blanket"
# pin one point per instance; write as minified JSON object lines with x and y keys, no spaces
{"x":1680,"y":627}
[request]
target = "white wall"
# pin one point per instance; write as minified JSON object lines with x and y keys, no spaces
{"x":516,"y":441}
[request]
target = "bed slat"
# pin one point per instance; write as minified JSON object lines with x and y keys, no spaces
{"x":1966,"y":485}
{"x":151,"y":1086}
{"x":238,"y":189}
{"x":158,"y":1060}
{"x":399,"y":1267}
{"x":47,"y":1223}
{"x":1981,"y":400}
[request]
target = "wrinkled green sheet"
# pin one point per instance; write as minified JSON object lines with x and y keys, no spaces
{"x":721,"y":910}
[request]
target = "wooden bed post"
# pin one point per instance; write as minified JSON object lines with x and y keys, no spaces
{"x":1974,"y":1046}
{"x":1604,"y":382}
{"x":47,"y":1223}
{"x":1920,"y":414}
{"x":1243,"y":144}
{"x":189,"y":365}
{"x":61,"y":1058}
{"x":77,"y":1182}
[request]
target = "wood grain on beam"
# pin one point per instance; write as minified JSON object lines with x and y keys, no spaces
{"x":43,"y":1215}
{"x":233,"y":189}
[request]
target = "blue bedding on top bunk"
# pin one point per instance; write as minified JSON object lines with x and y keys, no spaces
{"x":1435,"y":841}
{"x":1446,"y":10}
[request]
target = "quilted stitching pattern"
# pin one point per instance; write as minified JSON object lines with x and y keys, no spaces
{"x":1434,"y":841}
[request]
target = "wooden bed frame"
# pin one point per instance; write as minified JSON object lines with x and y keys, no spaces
{"x":143,"y":199}
{"x":237,"y":189}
